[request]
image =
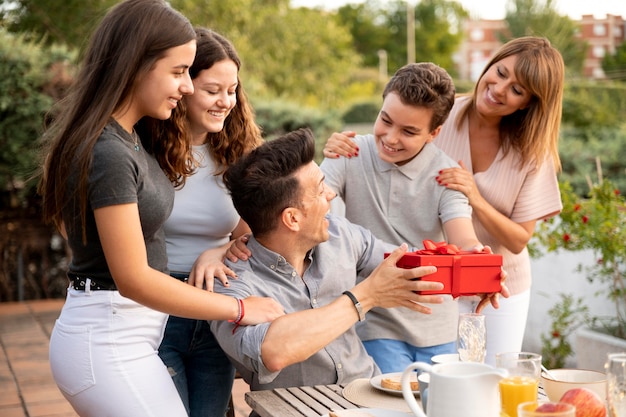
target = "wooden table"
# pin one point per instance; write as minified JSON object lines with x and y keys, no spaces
{"x":312,"y":401}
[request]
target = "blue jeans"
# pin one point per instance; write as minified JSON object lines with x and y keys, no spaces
{"x":395,"y":355}
{"x":201,"y":371}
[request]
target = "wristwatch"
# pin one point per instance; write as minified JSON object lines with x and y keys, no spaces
{"x":357,"y":305}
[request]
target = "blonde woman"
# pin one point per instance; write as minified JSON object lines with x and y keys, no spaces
{"x":505,"y":137}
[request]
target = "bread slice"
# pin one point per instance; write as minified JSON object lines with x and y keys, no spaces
{"x":395,"y":383}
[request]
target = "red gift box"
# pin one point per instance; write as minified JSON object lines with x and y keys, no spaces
{"x":461,"y":272}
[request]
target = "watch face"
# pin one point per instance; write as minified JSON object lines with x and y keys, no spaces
{"x":359,"y":310}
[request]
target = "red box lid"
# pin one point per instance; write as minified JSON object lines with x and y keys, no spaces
{"x":464,"y":273}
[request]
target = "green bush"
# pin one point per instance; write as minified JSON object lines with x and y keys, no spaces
{"x":30,"y":77}
{"x":277,"y":118}
{"x":362,"y":112}
{"x":595,"y":222}
{"x":589,"y":104}
{"x":586,"y":151}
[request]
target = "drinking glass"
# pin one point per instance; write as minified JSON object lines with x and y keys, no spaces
{"x":522,"y":384}
{"x":472,"y":337}
{"x":616,"y":384}
{"x":548,"y":409}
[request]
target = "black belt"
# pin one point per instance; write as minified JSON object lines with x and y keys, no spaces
{"x":181,"y":276}
{"x":79,"y":283}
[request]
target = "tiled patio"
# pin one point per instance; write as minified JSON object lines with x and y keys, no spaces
{"x":26,"y":385}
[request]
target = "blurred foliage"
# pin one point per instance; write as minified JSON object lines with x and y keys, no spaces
{"x":52,"y":21}
{"x":31,"y":78}
{"x":540,"y":18}
{"x":596,"y":222}
{"x":593,"y":135}
{"x":377,"y":26}
{"x":614,"y":65}
{"x":567,"y":315}
{"x":300,"y":55}
{"x":593,"y":104}
{"x":362,"y":112}
{"x":279,"y":117}
{"x":592,"y":152}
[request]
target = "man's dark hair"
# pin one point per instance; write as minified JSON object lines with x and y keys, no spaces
{"x":262,"y":184}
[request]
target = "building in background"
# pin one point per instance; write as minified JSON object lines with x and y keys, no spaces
{"x":603,"y":37}
{"x":482,"y":39}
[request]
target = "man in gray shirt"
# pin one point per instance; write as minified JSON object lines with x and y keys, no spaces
{"x":308,"y":261}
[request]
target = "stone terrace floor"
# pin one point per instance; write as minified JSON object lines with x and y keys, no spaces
{"x":26,"y":385}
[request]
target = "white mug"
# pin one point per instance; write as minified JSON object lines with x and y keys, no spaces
{"x":456,"y":389}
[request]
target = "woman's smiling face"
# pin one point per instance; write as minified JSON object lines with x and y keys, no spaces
{"x":499,"y":92}
{"x":215,"y":95}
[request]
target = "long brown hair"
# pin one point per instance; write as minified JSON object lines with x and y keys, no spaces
{"x":128,"y":42}
{"x":533,"y":131}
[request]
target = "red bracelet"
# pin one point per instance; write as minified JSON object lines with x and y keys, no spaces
{"x":242,"y":313}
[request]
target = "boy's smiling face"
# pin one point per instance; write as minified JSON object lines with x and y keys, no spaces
{"x":402,"y":130}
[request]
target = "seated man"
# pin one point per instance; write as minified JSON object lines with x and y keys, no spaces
{"x":308,"y":261}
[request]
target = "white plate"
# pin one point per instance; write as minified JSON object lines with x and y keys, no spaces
{"x":380,"y":412}
{"x":376,"y":381}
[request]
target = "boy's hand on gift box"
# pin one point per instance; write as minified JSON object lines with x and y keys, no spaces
{"x":481,"y":249}
{"x":493,"y":298}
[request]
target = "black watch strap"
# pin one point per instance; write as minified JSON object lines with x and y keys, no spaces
{"x":357,"y":305}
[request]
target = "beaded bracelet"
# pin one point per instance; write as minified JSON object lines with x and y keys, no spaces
{"x":240,"y":315}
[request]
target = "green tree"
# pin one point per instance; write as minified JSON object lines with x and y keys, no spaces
{"x":537,"y":18}
{"x":367,"y":24}
{"x":297,"y":54}
{"x":438,"y":30}
{"x":29,"y":79}
{"x":614,"y":65}
{"x":56,"y":22}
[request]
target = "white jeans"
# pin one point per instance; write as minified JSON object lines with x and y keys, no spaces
{"x":505,"y":325}
{"x":104,"y":357}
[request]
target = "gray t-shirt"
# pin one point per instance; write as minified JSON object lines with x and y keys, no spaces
{"x":119,"y":175}
{"x":400,"y":204}
{"x":333,"y":268}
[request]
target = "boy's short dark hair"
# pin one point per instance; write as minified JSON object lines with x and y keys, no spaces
{"x":424,"y":84}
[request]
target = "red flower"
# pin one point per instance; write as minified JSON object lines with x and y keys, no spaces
{"x":566,"y":237}
{"x":585,"y":219}
{"x":576,"y":207}
{"x":616,"y":192}
{"x":556,"y":334}
{"x":600,"y":261}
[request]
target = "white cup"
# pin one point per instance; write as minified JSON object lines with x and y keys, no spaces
{"x":445,"y":358}
{"x":423,"y":379}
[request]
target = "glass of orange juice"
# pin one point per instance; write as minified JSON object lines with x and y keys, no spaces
{"x":523,"y":381}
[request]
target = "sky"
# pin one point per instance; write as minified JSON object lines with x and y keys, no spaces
{"x":495,"y":9}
